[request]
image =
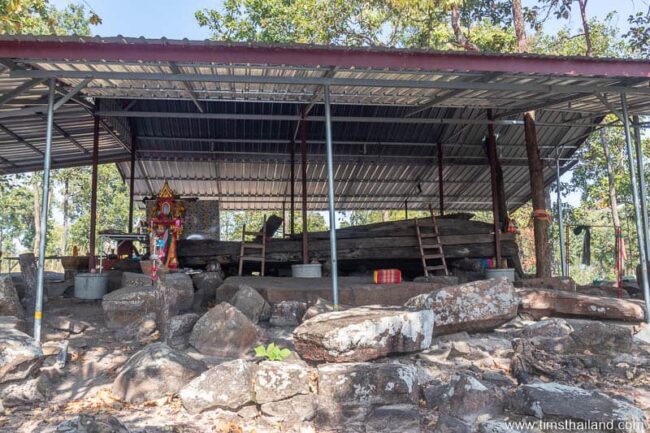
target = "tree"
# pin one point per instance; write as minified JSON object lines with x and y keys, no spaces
{"x":639,"y":34}
{"x":39,"y":17}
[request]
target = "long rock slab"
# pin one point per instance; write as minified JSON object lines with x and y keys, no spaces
{"x":541,"y":302}
{"x":364,"y":333}
{"x":471,"y":307}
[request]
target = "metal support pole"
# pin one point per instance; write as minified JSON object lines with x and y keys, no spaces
{"x":293,"y":187}
{"x":642,"y":185}
{"x":492,"y":160}
{"x":637,"y":211}
{"x":559,"y":215}
{"x":330,"y":196}
{"x":441,"y":189}
{"x":93,"y":195}
{"x":38,"y":309}
{"x":303,"y":149}
{"x":406,"y":209}
{"x":131,"y":184}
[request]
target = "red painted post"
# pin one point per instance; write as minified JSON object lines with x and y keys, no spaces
{"x":303,"y":149}
{"x":93,"y":194}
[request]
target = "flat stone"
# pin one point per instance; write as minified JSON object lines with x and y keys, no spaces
{"x":471,"y":307}
{"x":20,"y":356}
{"x":228,"y":385}
{"x":98,"y":423}
{"x":181,"y":285}
{"x":280,"y":380}
{"x":557,"y":401}
{"x":550,"y":283}
{"x":540,"y":303}
{"x":9,"y":302}
{"x":154,"y":372}
{"x":301,"y":407}
{"x":224,"y":331}
{"x":178,"y":330}
{"x":12,"y":322}
{"x":251,"y":304}
{"x":363,"y":333}
{"x":287,"y":313}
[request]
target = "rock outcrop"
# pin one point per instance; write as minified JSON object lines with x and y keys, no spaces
{"x":363,"y":333}
{"x":9,"y":302}
{"x":224,"y":331}
{"x":251,"y":303}
{"x":20,"y":356}
{"x":153,"y":372}
{"x":127,"y":305}
{"x":228,"y":386}
{"x":276,"y":381}
{"x":471,"y":307}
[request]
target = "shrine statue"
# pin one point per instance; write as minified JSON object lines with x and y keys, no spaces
{"x":165,"y":227}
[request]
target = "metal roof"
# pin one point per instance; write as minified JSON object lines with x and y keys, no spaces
{"x":217,"y":120}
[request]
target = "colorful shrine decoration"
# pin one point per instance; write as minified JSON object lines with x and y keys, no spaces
{"x":165,"y":228}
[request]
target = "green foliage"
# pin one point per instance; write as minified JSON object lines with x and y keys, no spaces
{"x":39,"y":17}
{"x":639,"y":34}
{"x":272,"y":352}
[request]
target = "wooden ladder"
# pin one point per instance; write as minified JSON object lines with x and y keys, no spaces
{"x":430,"y":247}
{"x":253,"y":246}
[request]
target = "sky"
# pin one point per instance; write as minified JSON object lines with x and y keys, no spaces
{"x":174,"y":19}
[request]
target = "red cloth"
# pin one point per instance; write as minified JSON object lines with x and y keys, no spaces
{"x":387,"y":276}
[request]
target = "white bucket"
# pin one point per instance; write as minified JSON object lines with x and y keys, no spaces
{"x":90,"y":286}
{"x":312,"y":270}
{"x":500,"y":273}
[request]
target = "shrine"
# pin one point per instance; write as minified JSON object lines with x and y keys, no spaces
{"x":165,"y":228}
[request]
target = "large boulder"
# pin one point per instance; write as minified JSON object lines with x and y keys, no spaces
{"x":280,"y":380}
{"x":549,"y":401}
{"x":205,"y":285}
{"x":349,"y":392}
{"x":287,"y":313}
{"x":154,"y":372}
{"x":540,"y":303}
{"x":20,"y":356}
{"x":251,"y":303}
{"x":127,"y":305}
{"x":228,"y":386}
{"x":550,"y":283}
{"x":363,"y":333}
{"x":181,"y":286}
{"x":25,"y":393}
{"x":472,"y":307}
{"x":224,"y":331}
{"x":9,"y":302}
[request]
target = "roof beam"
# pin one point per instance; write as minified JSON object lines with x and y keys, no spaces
{"x":176,"y":70}
{"x":65,"y":134}
{"x":57,"y":104}
{"x":21,"y":140}
{"x":320,"y":81}
{"x":11,"y":95}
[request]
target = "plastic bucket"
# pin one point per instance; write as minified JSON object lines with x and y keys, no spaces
{"x":500,"y":273}
{"x":314,"y":270}
{"x":90,"y":286}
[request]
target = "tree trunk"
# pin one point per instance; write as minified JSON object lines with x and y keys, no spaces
{"x":458,"y":31}
{"x":520,"y":29}
{"x":585,"y":26}
{"x":540,"y":223}
{"x":37,"y":214}
{"x":613,"y":202}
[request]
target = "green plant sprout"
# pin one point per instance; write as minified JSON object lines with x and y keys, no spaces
{"x":272,"y":352}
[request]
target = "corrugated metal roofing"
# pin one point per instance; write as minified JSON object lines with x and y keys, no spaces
{"x":223,"y":128}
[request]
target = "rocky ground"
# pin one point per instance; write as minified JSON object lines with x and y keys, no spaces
{"x":469,"y":358}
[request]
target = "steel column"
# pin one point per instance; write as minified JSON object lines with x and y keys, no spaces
{"x":303,"y":149}
{"x":330,"y":191}
{"x":293,"y":186}
{"x":93,"y":195}
{"x":132,"y":184}
{"x":441,"y":188}
{"x":642,"y":185}
{"x":406,"y":209}
{"x":492,"y":160}
{"x":47,"y":160}
{"x":637,"y":211}
{"x":559,"y":215}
